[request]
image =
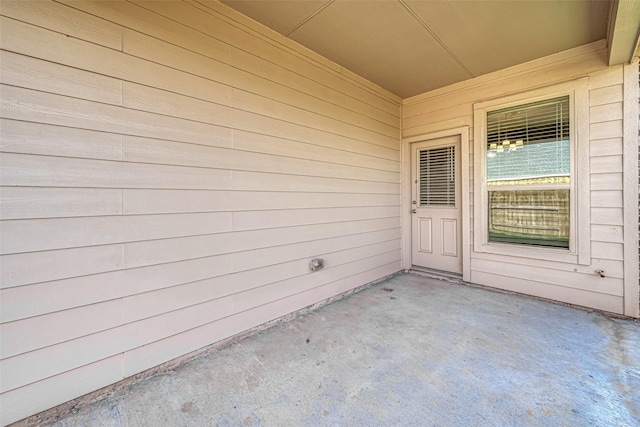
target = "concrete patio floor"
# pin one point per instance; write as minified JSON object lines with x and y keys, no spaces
{"x":410,"y":351}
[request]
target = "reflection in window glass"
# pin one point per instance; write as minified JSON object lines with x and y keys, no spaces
{"x":532,"y":217}
{"x":529,"y":163}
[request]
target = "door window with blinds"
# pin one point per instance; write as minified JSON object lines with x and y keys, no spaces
{"x":528,"y":173}
{"x":436,"y":178}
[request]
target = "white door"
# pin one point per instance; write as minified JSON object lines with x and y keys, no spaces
{"x":436,"y":214}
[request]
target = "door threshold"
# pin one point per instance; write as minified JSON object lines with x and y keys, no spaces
{"x":436,"y":274}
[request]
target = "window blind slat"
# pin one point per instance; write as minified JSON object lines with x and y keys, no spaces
{"x":437,"y":177}
{"x":533,"y":123}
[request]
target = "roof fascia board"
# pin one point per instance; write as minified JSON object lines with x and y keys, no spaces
{"x":624,"y":31}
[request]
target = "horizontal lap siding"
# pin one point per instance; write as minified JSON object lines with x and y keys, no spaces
{"x":453,"y":106}
{"x":167,"y":175}
{"x":606,"y":133}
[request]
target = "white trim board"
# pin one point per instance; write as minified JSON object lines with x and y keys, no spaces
{"x":630,"y":189}
{"x":463,"y":133}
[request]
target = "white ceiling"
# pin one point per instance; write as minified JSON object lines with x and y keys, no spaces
{"x":412,"y":46}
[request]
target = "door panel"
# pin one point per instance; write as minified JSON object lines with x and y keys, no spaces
{"x":424,"y":225}
{"x":436,"y":217}
{"x":449,"y":237}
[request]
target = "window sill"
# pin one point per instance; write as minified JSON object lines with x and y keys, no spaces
{"x":531,"y":252}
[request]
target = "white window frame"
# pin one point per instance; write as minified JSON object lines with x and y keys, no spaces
{"x":579,"y":210}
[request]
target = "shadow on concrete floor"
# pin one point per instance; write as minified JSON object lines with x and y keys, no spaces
{"x":410,"y":351}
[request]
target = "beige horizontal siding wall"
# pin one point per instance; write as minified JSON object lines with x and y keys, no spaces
{"x":452,"y":107}
{"x":168,"y":172}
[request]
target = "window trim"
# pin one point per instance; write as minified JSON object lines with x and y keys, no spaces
{"x":579,"y":209}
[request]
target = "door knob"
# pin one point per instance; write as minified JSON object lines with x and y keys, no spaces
{"x":413,"y":211}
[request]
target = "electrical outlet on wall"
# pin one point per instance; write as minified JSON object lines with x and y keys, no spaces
{"x":316,"y":264}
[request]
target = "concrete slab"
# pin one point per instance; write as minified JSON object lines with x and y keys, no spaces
{"x":408,"y":351}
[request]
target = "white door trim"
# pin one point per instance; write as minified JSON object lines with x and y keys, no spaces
{"x":463,"y":132}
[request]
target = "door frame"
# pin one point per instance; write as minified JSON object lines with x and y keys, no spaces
{"x":463,"y":133}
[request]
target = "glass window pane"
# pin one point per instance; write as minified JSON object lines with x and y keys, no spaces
{"x":529,"y":164}
{"x":437,"y":185}
{"x":529,"y":144}
{"x":532,"y":217}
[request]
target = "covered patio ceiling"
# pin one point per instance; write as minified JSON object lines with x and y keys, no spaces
{"x":413,"y":46}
